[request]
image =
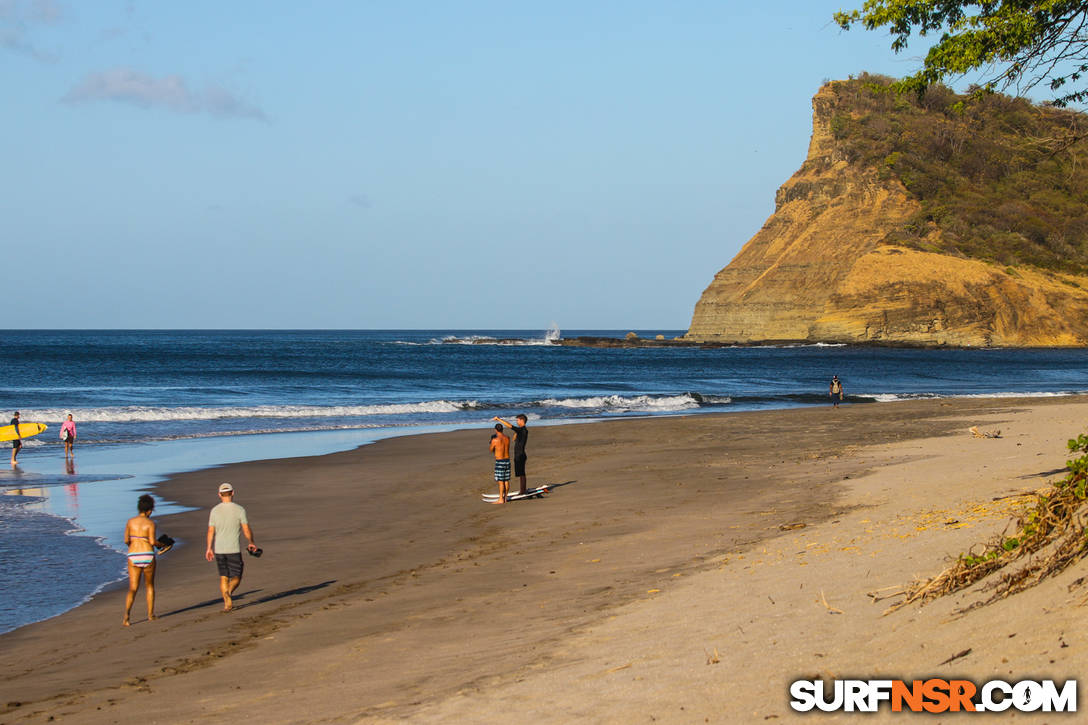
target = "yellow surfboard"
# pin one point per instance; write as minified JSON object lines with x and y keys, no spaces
{"x":7,"y":432}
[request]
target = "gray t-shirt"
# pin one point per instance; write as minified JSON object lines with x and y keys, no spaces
{"x":227,"y":518}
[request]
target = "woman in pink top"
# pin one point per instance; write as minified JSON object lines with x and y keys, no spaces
{"x":68,"y":435}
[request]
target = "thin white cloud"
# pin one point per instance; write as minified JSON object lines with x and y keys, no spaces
{"x":19,"y":22}
{"x":16,"y":41}
{"x":172,"y":93}
{"x":45,"y":11}
{"x":48,"y":12}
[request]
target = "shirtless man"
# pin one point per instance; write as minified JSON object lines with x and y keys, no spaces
{"x":500,"y":446}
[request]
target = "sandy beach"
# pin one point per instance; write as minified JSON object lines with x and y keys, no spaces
{"x":687,"y":569}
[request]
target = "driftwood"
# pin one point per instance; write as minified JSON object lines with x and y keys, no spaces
{"x":957,"y":656}
{"x":830,"y":609}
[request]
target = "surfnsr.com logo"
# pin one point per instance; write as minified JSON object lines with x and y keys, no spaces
{"x":933,"y":695}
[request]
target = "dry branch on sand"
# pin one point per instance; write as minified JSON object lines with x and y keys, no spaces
{"x":830,"y":609}
{"x":1052,"y":535}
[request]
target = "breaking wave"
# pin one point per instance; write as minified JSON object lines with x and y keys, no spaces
{"x":486,"y":340}
{"x":893,"y":397}
{"x":637,"y":403}
{"x":141,"y":414}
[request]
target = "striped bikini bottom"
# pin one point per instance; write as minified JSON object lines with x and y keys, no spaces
{"x":141,"y":559}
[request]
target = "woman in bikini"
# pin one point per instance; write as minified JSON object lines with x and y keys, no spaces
{"x":140,"y":539}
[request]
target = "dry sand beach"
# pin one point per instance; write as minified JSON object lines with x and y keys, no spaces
{"x":669,"y":580}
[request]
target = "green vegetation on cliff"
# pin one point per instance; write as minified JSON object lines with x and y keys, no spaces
{"x":997,"y":178}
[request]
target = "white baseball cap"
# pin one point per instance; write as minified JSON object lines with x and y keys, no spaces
{"x":226,"y":488}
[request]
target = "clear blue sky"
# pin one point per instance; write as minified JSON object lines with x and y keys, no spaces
{"x":384,"y":164}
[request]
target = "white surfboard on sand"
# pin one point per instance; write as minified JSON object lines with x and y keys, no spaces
{"x":530,"y":493}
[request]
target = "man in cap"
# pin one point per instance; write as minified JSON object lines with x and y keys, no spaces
{"x":225,"y":523}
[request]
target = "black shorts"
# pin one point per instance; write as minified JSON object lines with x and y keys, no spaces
{"x":16,"y":444}
{"x":230,"y":565}
{"x":519,"y":465}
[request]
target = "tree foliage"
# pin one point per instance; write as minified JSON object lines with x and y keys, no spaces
{"x":994,"y":176}
{"x":1015,"y":44}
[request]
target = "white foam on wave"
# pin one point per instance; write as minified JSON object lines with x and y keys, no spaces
{"x":893,"y":397}
{"x":36,"y":442}
{"x":805,"y":344}
{"x":485,"y":340}
{"x":620,"y":403}
{"x":478,"y":340}
{"x":139,"y":414}
{"x":1018,"y":395}
{"x":269,"y":431}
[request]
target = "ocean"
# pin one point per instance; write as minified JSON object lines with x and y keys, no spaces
{"x":147,"y":403}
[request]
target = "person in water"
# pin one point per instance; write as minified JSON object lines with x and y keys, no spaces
{"x":140,"y":539}
{"x":68,"y":435}
{"x":17,"y":444}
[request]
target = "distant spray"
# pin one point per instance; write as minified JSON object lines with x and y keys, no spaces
{"x":552,"y":335}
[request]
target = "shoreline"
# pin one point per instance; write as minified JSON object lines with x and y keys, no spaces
{"x":411,"y":591}
{"x":148,"y":476}
{"x":710,"y":343}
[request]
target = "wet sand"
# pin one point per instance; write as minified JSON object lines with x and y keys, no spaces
{"x":668,"y":577}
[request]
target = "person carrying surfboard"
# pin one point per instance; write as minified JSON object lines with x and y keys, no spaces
{"x":521,"y":435}
{"x":500,"y":446}
{"x":16,"y":444}
{"x":68,"y":435}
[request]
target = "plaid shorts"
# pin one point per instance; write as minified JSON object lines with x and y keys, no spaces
{"x":502,"y":470}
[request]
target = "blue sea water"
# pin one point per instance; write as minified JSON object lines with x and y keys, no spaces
{"x":151,"y":402}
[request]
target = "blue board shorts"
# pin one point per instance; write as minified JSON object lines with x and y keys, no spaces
{"x":502,"y":470}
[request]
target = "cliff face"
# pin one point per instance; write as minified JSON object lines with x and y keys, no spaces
{"x":821,"y":270}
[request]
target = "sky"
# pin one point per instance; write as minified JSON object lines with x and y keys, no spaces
{"x":477,"y":164}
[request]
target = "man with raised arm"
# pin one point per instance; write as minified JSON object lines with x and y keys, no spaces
{"x":521,"y":435}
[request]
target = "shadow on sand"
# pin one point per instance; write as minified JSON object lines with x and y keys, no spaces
{"x":218,"y":602}
{"x":1045,"y":474}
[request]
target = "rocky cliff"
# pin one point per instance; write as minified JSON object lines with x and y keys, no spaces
{"x":834,"y":264}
